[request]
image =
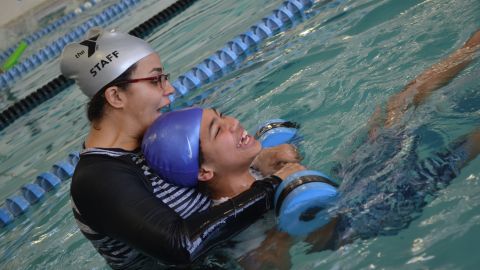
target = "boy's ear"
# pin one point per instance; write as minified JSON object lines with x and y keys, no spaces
{"x":205,"y":173}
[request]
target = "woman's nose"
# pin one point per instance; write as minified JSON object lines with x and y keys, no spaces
{"x":169,"y":89}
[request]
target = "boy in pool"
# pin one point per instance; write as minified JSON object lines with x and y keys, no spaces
{"x":423,"y":177}
{"x":218,"y":152}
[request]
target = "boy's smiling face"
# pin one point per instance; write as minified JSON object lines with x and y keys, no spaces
{"x":225,"y":144}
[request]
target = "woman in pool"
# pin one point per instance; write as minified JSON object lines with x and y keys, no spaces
{"x":131,"y":216}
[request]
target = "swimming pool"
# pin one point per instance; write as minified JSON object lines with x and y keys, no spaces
{"x":329,"y":73}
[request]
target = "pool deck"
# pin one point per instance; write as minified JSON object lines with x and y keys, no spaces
{"x":20,"y":16}
{"x":15,"y":10}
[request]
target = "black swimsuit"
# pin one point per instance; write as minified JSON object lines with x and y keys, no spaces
{"x":133,"y":218}
{"x":386,"y":183}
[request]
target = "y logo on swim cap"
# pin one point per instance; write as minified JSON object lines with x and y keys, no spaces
{"x":91,"y":43}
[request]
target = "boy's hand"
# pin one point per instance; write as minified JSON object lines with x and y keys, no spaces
{"x":274,"y":158}
{"x":288,"y":169}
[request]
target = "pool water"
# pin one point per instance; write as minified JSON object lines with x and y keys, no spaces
{"x":328,"y":72}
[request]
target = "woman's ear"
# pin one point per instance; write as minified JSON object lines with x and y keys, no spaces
{"x":114,"y":97}
{"x":205,"y":173}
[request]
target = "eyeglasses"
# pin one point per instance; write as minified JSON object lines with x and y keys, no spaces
{"x":161,"y":78}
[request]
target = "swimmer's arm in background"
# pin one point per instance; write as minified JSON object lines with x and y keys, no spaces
{"x":472,"y":145}
{"x":463,"y":150}
{"x":426,"y":83}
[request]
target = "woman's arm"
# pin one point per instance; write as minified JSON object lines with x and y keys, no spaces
{"x":124,"y":209}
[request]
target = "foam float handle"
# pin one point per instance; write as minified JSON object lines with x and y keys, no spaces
{"x":275,"y":132}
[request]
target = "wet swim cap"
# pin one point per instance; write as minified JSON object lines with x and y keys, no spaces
{"x":102,"y":57}
{"x":171,"y":146}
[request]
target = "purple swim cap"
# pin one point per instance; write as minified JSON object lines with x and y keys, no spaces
{"x":171,"y":146}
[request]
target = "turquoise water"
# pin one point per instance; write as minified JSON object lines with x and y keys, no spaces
{"x":328,"y":72}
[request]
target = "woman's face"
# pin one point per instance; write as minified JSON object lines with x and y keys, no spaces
{"x":145,"y":99}
{"x":225,"y":144}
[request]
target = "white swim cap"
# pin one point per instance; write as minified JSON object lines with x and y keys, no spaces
{"x":101,"y":58}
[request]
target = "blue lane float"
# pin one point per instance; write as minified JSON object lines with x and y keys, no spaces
{"x":48,"y":181}
{"x":32,"y":193}
{"x":5,"y":217}
{"x":107,"y":16}
{"x":63,"y":169}
{"x":17,"y":205}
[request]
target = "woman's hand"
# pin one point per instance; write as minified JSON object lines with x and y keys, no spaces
{"x":288,"y":169}
{"x":274,"y":158}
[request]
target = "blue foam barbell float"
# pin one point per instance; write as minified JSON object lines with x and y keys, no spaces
{"x":276,"y":131}
{"x":302,"y":202}
{"x":303,"y":199}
